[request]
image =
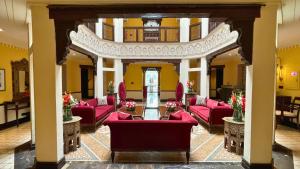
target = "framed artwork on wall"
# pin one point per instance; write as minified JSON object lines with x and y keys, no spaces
{"x":2,"y":80}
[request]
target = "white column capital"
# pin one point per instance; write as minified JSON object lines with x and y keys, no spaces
{"x":118,"y":29}
{"x":204,"y":27}
{"x":184,"y":29}
{"x":99,"y":28}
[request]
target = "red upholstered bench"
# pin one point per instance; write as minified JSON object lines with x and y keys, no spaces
{"x":212,"y":113}
{"x":93,"y":114}
{"x":150,"y":135}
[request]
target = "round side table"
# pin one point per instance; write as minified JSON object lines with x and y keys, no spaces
{"x":233,"y":135}
{"x":72,"y":134}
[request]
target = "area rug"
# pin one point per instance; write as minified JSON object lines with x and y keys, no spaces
{"x":205,"y":147}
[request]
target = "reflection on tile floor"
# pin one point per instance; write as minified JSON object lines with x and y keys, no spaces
{"x":9,"y":140}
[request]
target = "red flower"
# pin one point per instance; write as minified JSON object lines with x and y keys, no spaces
{"x":233,"y":99}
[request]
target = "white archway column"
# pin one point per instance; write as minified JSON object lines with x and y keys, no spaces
{"x":204,"y":79}
{"x":118,"y":66}
{"x":99,"y":78}
{"x":118,"y":29}
{"x":260,"y":92}
{"x":48,"y":103}
{"x":184,"y":29}
{"x":184,"y":74}
{"x":31,"y":76}
{"x":99,"y":28}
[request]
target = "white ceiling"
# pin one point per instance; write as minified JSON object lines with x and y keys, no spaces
{"x":13,"y":16}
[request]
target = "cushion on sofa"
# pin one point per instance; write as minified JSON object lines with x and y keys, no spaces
{"x":102,"y":101}
{"x":124,"y":116}
{"x":211,"y":103}
{"x":175,"y":116}
{"x":83,"y":103}
{"x":110,"y":100}
{"x":102,"y":111}
{"x":193,"y":101}
{"x":201,"y":111}
{"x":92,"y":102}
{"x":200,"y":100}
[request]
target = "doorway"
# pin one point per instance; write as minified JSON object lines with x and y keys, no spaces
{"x":216,"y":80}
{"x":151,"y":80}
{"x":87,"y":81}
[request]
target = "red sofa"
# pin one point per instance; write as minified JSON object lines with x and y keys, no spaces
{"x":212,"y":113}
{"x":93,"y":114}
{"x":150,"y":135}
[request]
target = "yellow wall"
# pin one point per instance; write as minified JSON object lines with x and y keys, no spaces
{"x":134,"y":76}
{"x":7,"y":54}
{"x":195,"y":20}
{"x":130,"y":34}
{"x":108,"y":21}
{"x":289,"y":59}
{"x":107,"y":77}
{"x":230,"y":70}
{"x":133,"y":22}
{"x":74,"y":74}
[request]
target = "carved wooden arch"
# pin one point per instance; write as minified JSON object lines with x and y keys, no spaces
{"x":240,"y":17}
{"x":92,"y":56}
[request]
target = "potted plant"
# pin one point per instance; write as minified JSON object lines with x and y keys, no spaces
{"x":171,"y":106}
{"x":111,"y":87}
{"x":237,"y":102}
{"x":69,"y":102}
{"x":130,"y":106}
{"x":190,"y":85}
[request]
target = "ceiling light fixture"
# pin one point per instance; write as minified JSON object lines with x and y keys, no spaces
{"x":1,"y":29}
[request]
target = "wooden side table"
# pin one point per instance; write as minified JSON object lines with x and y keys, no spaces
{"x":187,"y":96}
{"x":233,"y":135}
{"x":72,"y":134}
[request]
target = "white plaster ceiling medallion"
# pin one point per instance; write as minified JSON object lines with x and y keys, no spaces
{"x":217,"y":39}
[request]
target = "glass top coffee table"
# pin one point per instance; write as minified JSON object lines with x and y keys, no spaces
{"x":141,"y":112}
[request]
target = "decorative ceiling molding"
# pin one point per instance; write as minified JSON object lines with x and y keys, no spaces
{"x":216,"y":40}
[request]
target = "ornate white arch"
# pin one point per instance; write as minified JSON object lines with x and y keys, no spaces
{"x":217,"y":39}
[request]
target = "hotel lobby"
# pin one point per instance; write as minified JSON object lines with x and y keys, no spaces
{"x":137,"y":84}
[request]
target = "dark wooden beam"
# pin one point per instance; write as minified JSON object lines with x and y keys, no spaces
{"x":79,"y":12}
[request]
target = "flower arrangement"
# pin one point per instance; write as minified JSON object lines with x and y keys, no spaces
{"x":69,"y":102}
{"x":130,"y":106}
{"x":190,"y":85}
{"x":170,"y":106}
{"x":237,"y":102}
{"x":111,"y":87}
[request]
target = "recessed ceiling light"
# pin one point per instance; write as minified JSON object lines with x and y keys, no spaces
{"x":1,"y":29}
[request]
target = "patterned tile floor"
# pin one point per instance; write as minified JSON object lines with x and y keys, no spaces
{"x":14,"y":137}
{"x":9,"y":140}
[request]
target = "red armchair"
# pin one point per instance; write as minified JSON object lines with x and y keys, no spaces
{"x":178,"y":94}
{"x":211,"y":114}
{"x":122,"y":94}
{"x":153,"y":135}
{"x":93,"y":114}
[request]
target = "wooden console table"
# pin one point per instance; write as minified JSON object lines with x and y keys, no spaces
{"x":72,"y":134}
{"x":233,"y":135}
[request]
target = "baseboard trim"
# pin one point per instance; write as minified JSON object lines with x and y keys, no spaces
{"x":14,"y":123}
{"x":247,"y":165}
{"x":50,"y":165}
